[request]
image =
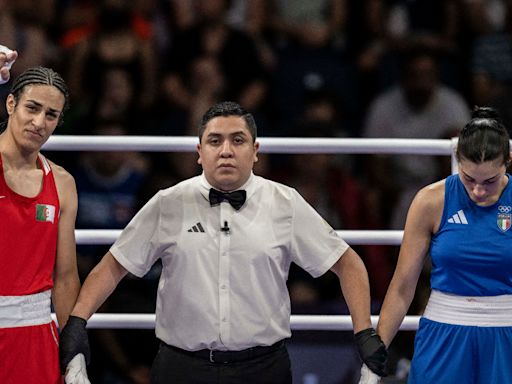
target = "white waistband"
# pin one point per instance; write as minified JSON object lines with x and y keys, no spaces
{"x":480,"y":311}
{"x":23,"y":311}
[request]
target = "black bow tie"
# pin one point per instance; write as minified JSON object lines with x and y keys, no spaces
{"x":236,"y":198}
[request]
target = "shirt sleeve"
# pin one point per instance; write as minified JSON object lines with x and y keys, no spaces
{"x":315,"y":245}
{"x":138,"y":246}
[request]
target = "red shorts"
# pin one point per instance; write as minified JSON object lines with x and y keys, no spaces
{"x":30,"y":355}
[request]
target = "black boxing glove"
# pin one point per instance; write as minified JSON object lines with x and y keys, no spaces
{"x":73,"y":340}
{"x":372,"y":351}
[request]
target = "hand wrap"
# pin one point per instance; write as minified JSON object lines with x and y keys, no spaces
{"x":372,"y":351}
{"x":73,"y":340}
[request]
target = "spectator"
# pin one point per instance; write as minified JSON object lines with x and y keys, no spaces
{"x":210,"y":60}
{"x":113,"y":43}
{"x":491,"y":59}
{"x":420,"y":106}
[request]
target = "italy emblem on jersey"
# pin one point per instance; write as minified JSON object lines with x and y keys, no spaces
{"x":504,"y":217}
{"x":45,"y":212}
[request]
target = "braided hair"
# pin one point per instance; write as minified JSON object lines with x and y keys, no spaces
{"x":39,"y":76}
{"x":484,"y":138}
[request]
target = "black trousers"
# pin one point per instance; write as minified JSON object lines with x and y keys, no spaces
{"x":173,"y":367}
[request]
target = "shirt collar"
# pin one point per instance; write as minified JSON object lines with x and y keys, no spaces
{"x":249,"y":186}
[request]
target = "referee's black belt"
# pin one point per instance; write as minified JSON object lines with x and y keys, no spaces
{"x":226,"y":357}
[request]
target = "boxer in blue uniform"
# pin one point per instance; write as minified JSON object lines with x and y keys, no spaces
{"x":464,"y":223}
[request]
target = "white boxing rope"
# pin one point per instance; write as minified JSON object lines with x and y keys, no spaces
{"x":297,"y":322}
{"x":353,"y":237}
{"x":96,"y":236}
{"x":268,"y":144}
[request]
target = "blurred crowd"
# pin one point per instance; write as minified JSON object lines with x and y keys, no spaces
{"x":323,"y":68}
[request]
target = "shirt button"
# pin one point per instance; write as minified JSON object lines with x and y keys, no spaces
{"x":223,"y":287}
{"x":224,"y":320}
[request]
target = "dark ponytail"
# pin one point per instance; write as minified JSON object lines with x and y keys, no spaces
{"x":484,"y":138}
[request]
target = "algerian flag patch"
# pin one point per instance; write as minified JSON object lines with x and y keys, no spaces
{"x":45,"y":212}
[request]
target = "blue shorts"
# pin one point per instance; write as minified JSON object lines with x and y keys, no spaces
{"x":460,"y":354}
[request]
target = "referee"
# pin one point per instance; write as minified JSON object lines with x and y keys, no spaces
{"x":226,"y":239}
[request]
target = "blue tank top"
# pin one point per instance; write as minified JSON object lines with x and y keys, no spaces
{"x":472,"y":251}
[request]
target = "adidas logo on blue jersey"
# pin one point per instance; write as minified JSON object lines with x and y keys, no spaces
{"x":458,"y":218}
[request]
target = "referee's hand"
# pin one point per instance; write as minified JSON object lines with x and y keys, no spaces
{"x":73,"y":340}
{"x":372,"y":351}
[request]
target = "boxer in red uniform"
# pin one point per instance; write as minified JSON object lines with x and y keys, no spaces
{"x":38,"y":204}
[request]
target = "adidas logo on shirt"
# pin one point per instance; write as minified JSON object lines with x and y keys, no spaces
{"x":458,"y":218}
{"x":196,"y":228}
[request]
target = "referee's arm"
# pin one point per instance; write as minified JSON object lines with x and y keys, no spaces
{"x":355,"y":286}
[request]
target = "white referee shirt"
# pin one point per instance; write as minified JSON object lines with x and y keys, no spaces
{"x":226,"y":290}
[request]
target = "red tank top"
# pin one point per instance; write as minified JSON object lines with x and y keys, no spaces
{"x":28,"y":236}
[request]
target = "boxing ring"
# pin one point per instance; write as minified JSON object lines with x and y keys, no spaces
{"x":444,"y":147}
